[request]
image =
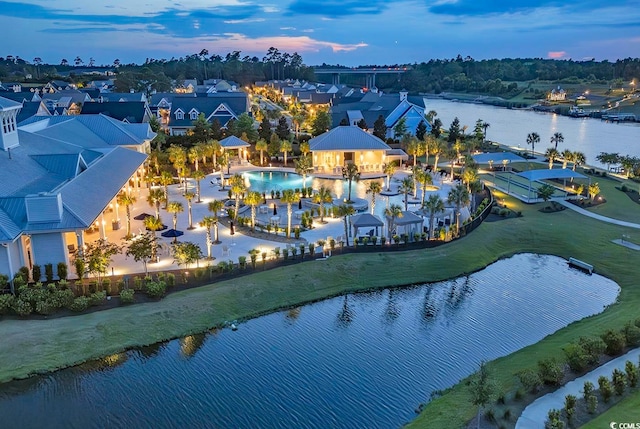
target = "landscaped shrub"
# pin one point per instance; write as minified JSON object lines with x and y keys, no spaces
{"x":550,"y":371}
{"x":553,"y":420}
{"x":619,"y":381}
{"x":137,"y":283}
{"x":570,"y":402}
{"x":21,"y":307}
{"x":62,"y":271}
{"x":171,"y":280}
{"x":120,"y":285}
{"x":605,"y":388}
{"x":24,"y":272}
{"x":631,"y":334}
{"x":199,"y":273}
{"x":32,"y":295}
{"x":530,"y":380}
{"x":593,"y":347}
{"x":490,"y":415}
{"x":632,"y":373}
{"x":592,"y":404}
{"x":45,"y":307}
{"x":106,"y":286}
{"x":588,"y":389}
{"x":507,"y":414}
{"x":576,"y":357}
{"x":93,"y":286}
{"x":156,"y":289}
{"x":48,"y":272}
{"x":614,"y":341}
{"x":126,"y":296}
{"x":4,"y":281}
{"x":6,"y":302}
{"x":62,"y":298}
{"x":97,"y":298}
{"x":79,"y":304}
{"x":242,"y":261}
{"x":36,"y":273}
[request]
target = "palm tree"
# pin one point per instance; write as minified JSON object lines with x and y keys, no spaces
{"x":389,"y":168}
{"x":236,"y":182}
{"x":304,"y":148}
{"x":322,"y":196}
{"x":350,"y":173}
{"x":155,"y":197}
{"x":262,"y":145}
{"x":224,"y":160}
{"x":557,"y":138}
{"x":344,"y":211}
{"x":469,"y":175}
{"x":194,"y":155}
{"x":303,"y":166}
{"x":458,"y":196}
{"x":214,"y":207}
{"x":424,"y":179}
{"x":578,"y":159}
{"x":392,"y":212}
{"x":198,"y":175}
{"x":594,"y":190}
{"x":214,"y":148}
{"x":532,"y":139}
{"x":415,"y":149}
{"x":552,"y":154}
{"x":433,"y":205}
{"x":567,"y":157}
{"x":485,"y":125}
{"x":285,"y":148}
{"x":207,"y":222}
{"x":174,"y":208}
{"x":153,"y":224}
{"x":374,"y":189}
{"x":437,"y":149}
{"x":184,"y":174}
{"x":406,"y":187}
{"x":126,"y":200}
{"x":165,"y":180}
{"x":189,"y":196}
{"x":289,"y":197}
{"x":253,"y":198}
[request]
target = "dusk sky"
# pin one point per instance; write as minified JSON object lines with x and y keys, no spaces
{"x":347,"y":32}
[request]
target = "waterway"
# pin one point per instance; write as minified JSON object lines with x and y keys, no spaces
{"x":364,"y":360}
{"x":511,"y":127}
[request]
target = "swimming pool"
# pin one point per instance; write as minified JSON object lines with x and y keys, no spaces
{"x":267,"y":181}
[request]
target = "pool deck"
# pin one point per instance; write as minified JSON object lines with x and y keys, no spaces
{"x":233,"y":246}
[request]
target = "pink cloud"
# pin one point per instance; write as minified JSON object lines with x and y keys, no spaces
{"x":556,"y":54}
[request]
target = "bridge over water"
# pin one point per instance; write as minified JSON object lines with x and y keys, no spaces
{"x":370,"y":73}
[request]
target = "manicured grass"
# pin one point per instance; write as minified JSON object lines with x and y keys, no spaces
{"x":32,"y":346}
{"x":618,"y":205}
{"x":626,"y":411}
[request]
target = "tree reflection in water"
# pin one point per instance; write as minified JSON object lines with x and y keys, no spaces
{"x":346,"y":314}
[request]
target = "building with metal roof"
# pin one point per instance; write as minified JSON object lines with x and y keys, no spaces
{"x":59,"y":176}
{"x":348,"y":145}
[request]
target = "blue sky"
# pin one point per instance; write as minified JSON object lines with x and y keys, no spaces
{"x":348,"y":32}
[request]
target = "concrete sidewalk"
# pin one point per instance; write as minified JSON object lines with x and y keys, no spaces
{"x":597,"y":216}
{"x":534,"y":416}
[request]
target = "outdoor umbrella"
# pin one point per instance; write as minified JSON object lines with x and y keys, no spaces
{"x":172,"y":233}
{"x":300,"y":204}
{"x":233,"y":231}
{"x":275,"y":209}
{"x":142,"y":216}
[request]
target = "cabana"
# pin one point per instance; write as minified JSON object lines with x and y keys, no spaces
{"x":549,"y":174}
{"x":368,"y":221}
{"x":409,"y":223}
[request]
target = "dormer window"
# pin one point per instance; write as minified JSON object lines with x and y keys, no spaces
{"x":179,"y":115}
{"x":193,"y":114}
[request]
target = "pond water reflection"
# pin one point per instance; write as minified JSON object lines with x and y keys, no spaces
{"x":359,"y":361}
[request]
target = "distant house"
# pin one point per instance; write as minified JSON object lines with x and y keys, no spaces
{"x":369,"y":106}
{"x":557,"y":94}
{"x":221,"y":106}
{"x":61,"y":175}
{"x":132,"y":112}
{"x":66,"y":101}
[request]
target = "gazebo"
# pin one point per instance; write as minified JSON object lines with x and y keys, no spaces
{"x":235,"y":143}
{"x":366,"y":220}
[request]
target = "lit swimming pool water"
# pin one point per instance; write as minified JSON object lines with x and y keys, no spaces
{"x":267,"y":181}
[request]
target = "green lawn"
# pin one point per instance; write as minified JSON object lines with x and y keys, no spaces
{"x":626,"y":411}
{"x":618,"y":205}
{"x":36,"y":345}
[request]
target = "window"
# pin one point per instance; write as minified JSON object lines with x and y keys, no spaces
{"x":193,"y":115}
{"x":179,"y":114}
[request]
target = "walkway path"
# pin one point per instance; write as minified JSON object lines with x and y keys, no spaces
{"x":597,"y":216}
{"x":535,"y":414}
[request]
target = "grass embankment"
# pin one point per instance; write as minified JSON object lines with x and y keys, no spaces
{"x":44,"y":345}
{"x":626,"y":411}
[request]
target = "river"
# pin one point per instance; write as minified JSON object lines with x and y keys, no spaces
{"x":511,"y":127}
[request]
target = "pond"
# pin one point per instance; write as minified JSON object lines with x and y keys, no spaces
{"x":364,"y":360}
